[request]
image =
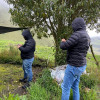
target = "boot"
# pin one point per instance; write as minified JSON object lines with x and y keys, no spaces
{"x":26,"y":85}
{"x":23,"y":80}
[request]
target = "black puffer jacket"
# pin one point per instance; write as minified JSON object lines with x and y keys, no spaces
{"x":27,"y":50}
{"x":77,"y":45}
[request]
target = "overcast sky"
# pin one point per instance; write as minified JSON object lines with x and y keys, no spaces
{"x":92,"y":33}
{"x":4,"y":4}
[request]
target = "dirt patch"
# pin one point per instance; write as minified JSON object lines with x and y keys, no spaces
{"x":10,"y":75}
{"x":36,"y":72}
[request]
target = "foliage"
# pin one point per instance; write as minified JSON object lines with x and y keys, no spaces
{"x":91,"y":61}
{"x":13,"y":97}
{"x":87,"y":87}
{"x":45,"y":81}
{"x":42,"y":62}
{"x":45,"y":52}
{"x":71,"y":95}
{"x":88,"y":95}
{"x":9,"y":53}
{"x":37,"y":12}
{"x":49,"y":84}
{"x":88,"y":81}
{"x":37,"y":92}
{"x":54,"y":16}
{"x":5,"y":44}
{"x":51,"y":87}
{"x":10,"y":56}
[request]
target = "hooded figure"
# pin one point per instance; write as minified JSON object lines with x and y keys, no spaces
{"x":27,"y":54}
{"x":28,"y":49}
{"x":77,"y":46}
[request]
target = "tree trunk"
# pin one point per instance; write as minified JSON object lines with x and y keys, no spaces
{"x":60,"y":55}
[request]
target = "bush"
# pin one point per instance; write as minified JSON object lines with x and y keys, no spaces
{"x":11,"y":97}
{"x":36,"y":92}
{"x":88,"y":81}
{"x":10,"y":56}
{"x":87,"y":87}
{"x":42,"y":62}
{"x":88,"y":95}
{"x":50,"y":85}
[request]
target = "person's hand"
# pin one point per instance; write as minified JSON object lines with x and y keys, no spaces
{"x":19,"y":45}
{"x":63,"y":40}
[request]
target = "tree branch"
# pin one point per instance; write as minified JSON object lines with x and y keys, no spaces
{"x":54,"y":31}
{"x":94,"y":56}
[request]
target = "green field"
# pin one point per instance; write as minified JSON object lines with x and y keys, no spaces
{"x":17,"y":37}
{"x":11,"y":71}
{"x":96,"y":45}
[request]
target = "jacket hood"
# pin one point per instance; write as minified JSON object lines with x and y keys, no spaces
{"x":78,"y":24}
{"x":27,"y":34}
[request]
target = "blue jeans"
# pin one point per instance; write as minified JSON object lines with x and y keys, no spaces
{"x":27,"y":67}
{"x":71,"y":80}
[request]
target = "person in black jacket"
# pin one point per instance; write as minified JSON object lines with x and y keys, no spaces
{"x":77,"y":46}
{"x":27,"y":55}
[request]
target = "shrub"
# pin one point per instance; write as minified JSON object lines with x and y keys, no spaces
{"x":11,"y":97}
{"x":87,"y":87}
{"x":36,"y":92}
{"x":50,"y":84}
{"x":88,"y":81}
{"x":90,"y":95}
{"x":42,"y":62}
{"x":10,"y":56}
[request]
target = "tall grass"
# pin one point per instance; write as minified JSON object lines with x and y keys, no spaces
{"x":9,"y":53}
{"x":37,"y":92}
{"x":10,"y":56}
{"x":46,"y":88}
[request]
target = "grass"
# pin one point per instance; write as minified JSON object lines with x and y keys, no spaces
{"x":10,"y":73}
{"x":9,"y":48}
{"x":9,"y":76}
{"x":35,"y":94}
{"x":45,"y":88}
{"x":47,"y":51}
{"x":16,"y":36}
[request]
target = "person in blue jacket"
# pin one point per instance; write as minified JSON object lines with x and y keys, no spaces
{"x":77,"y":46}
{"x":27,"y":55}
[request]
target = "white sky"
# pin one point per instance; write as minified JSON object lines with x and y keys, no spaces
{"x":4,"y":4}
{"x":93,"y":33}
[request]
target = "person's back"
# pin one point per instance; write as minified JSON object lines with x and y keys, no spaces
{"x":77,"y":46}
{"x":28,"y":49}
